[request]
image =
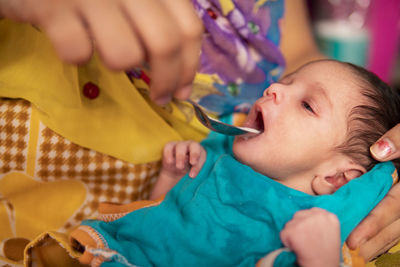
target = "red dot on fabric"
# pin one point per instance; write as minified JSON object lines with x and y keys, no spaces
{"x":211,"y":13}
{"x":90,"y":90}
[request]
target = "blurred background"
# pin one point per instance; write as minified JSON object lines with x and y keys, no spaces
{"x":364,"y":32}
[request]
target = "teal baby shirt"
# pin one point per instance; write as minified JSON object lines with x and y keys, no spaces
{"x":229,"y":215}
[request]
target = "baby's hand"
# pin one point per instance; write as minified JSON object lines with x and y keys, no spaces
{"x":178,"y":159}
{"x":314,"y":235}
{"x":182,"y":157}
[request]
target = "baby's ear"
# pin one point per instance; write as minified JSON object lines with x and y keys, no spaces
{"x":328,"y":183}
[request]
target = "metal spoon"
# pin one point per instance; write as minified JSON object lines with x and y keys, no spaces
{"x":219,"y":126}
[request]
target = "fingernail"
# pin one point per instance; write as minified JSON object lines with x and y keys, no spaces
{"x":383,"y":148}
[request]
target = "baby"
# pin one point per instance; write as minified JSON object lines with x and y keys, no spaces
{"x":317,"y":126}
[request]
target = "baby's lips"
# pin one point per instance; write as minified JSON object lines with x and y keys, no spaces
{"x":250,"y":120}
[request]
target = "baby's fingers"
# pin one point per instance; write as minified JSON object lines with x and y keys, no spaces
{"x":197,"y":157}
{"x":169,"y":154}
{"x":181,"y":155}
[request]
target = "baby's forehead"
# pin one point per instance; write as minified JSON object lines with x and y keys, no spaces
{"x":326,"y":65}
{"x":340,"y":82}
{"x":315,"y":69}
{"x":330,"y":71}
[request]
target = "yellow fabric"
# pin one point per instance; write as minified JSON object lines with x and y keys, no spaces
{"x":227,"y":6}
{"x":31,"y":198}
{"x":51,"y":249}
{"x":26,"y":194}
{"x":121,"y":122}
{"x":119,"y":118}
{"x":48,"y":184}
{"x":388,"y":259}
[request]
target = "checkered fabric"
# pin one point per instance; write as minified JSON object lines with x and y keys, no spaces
{"x":107,"y":179}
{"x":14,"y":123}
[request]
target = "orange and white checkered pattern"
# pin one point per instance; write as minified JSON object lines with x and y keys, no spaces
{"x":14,"y":125}
{"x":106,"y":178}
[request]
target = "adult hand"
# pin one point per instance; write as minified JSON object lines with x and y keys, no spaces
{"x":380,"y":230}
{"x":166,"y":34}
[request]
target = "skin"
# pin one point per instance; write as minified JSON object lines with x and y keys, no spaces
{"x":124,"y":33}
{"x":296,"y":115}
{"x":381,"y":229}
{"x":296,"y":29}
{"x":306,"y":227}
{"x":310,"y":227}
{"x":179,"y":158}
{"x":305,"y":118}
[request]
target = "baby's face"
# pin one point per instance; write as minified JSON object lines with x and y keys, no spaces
{"x":303,"y":118}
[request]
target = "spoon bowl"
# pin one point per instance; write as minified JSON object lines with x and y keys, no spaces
{"x":219,"y":126}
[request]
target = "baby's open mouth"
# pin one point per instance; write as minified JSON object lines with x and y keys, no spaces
{"x":259,"y":122}
{"x":254,"y":121}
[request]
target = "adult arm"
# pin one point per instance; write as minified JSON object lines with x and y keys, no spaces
{"x":381,"y":229}
{"x":166,"y":34}
{"x":297,"y":41}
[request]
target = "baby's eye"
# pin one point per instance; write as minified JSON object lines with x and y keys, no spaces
{"x":307,"y":106}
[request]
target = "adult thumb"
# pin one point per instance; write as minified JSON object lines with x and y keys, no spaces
{"x":388,"y":146}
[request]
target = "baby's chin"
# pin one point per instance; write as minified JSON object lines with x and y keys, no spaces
{"x":236,"y":153}
{"x":246,"y":160}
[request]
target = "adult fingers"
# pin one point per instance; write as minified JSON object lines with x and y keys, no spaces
{"x":387,"y":211}
{"x":162,"y":40}
{"x":380,"y":243}
{"x":113,"y":35}
{"x":60,"y":21}
{"x":192,"y":33}
{"x":68,"y":34}
{"x":388,"y":146}
{"x":12,"y":10}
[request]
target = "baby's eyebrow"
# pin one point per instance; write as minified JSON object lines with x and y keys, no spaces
{"x":320,"y":90}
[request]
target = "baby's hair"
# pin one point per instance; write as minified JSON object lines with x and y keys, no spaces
{"x":367,"y":122}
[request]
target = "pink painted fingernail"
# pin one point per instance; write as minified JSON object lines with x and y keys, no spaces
{"x":383,"y":148}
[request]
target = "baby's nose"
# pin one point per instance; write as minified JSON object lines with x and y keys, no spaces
{"x":274,"y":92}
